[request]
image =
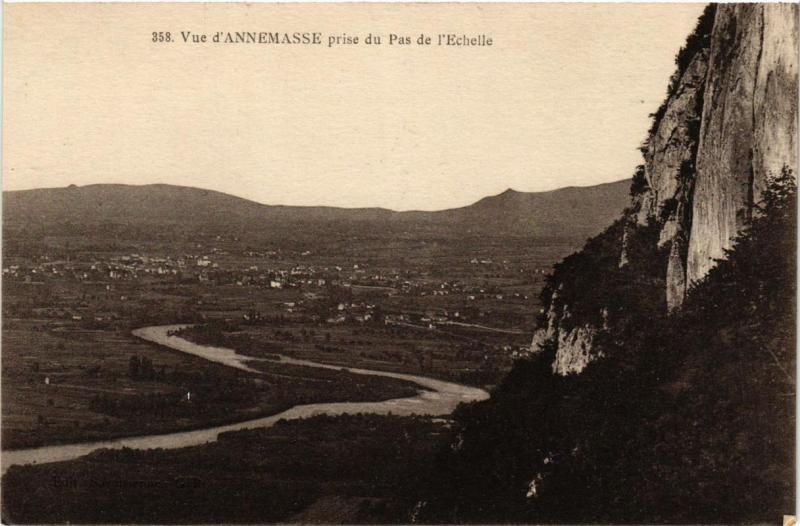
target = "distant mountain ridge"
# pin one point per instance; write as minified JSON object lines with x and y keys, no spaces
{"x":570,"y":211}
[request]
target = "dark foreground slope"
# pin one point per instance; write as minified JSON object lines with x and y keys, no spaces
{"x":688,"y":418}
{"x":321,"y":470}
{"x":662,"y":385}
{"x":135,"y":211}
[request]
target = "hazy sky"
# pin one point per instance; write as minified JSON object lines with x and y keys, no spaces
{"x":561,"y":98}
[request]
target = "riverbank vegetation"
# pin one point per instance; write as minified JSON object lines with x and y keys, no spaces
{"x":460,"y":354}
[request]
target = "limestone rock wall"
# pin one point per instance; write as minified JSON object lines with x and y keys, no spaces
{"x":749,"y":125}
{"x":670,"y":158}
{"x":673,"y":143}
{"x":728,"y":125}
{"x":575,"y":347}
{"x":575,"y":350}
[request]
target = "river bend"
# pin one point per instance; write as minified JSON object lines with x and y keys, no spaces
{"x":437,"y":397}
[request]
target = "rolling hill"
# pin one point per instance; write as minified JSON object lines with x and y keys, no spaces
{"x":566,"y":212}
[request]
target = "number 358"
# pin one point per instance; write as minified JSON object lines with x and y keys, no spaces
{"x":162,"y":36}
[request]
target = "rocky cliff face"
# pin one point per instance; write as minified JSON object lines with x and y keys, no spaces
{"x":669,"y":158}
{"x":728,"y":124}
{"x":574,"y":345}
{"x":749,"y":126}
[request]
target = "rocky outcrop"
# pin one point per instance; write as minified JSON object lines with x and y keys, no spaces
{"x":549,"y":332}
{"x":729,"y":123}
{"x":749,"y":126}
{"x":728,"y":126}
{"x":673,"y":143}
{"x":574,"y":346}
{"x":575,"y":350}
{"x":669,"y":158}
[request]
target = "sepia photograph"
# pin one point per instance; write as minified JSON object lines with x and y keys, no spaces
{"x":399,"y":263}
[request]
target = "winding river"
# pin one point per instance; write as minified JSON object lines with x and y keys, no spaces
{"x":436,"y":398}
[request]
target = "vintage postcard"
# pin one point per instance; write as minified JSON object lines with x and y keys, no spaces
{"x":399,"y":263}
